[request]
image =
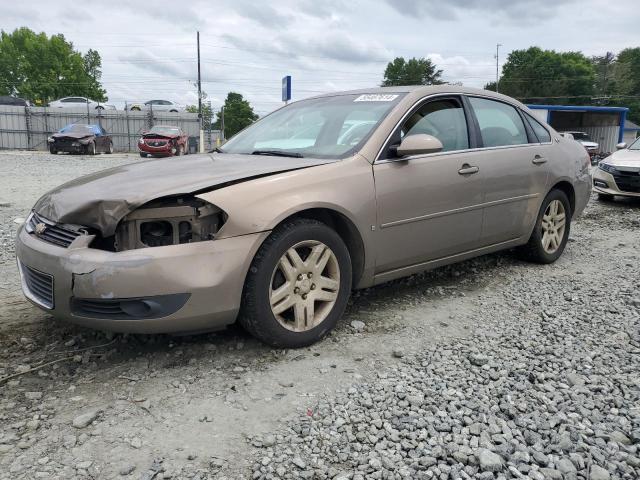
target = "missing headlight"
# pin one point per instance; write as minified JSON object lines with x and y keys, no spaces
{"x":169,"y":221}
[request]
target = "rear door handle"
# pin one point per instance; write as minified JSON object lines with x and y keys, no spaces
{"x":468,"y":169}
{"x":539,"y":160}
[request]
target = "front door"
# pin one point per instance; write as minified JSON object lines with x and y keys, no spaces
{"x":429,"y":206}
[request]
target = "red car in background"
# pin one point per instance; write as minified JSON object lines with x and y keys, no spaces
{"x":163,"y":141}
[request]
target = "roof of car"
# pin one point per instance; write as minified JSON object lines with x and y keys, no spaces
{"x":424,"y":90}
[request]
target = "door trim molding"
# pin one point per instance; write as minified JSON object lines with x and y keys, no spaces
{"x":458,"y":210}
{"x":415,"y":267}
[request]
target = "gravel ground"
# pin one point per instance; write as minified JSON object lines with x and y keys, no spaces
{"x":492,"y":368}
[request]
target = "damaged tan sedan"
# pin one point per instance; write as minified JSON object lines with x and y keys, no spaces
{"x":336,"y":192}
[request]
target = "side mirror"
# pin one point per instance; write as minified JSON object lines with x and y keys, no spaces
{"x":621,"y":146}
{"x":419,"y":144}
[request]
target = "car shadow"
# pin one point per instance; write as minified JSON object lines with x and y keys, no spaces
{"x":93,"y":351}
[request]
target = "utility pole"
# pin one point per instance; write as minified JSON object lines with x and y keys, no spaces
{"x":201,"y":142}
{"x":498,"y":45}
{"x":222,"y":122}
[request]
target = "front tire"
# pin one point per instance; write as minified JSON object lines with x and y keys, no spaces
{"x":551,"y":231}
{"x":53,"y":150}
{"x":605,"y":197}
{"x":91,"y":148}
{"x":298,"y":285}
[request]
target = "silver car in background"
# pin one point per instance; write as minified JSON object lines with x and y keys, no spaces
{"x":156,"y":105}
{"x":80,"y":102}
{"x":619,"y":173}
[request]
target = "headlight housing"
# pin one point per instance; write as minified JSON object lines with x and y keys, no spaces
{"x":141,"y":141}
{"x":605,"y":167}
{"x":169,"y":221}
{"x":51,"y":139}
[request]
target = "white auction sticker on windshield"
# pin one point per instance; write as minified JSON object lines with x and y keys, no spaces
{"x":376,"y":97}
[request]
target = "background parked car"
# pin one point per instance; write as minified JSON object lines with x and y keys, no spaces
{"x":619,"y":173}
{"x":81,"y":138}
{"x":164,"y":141}
{"x":158,"y":105}
{"x":14,"y":101}
{"x":585,"y":140}
{"x":80,"y":102}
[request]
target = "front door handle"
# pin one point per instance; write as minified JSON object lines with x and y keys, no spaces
{"x":468,"y":169}
{"x":539,"y":160}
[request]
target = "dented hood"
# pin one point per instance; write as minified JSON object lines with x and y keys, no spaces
{"x":77,"y":135}
{"x":102,"y":199}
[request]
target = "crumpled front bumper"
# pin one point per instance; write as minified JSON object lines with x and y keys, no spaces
{"x":210,"y":275}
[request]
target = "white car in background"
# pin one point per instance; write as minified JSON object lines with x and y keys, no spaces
{"x":586,"y":141}
{"x":619,"y":173}
{"x":80,"y":102}
{"x":158,"y":105}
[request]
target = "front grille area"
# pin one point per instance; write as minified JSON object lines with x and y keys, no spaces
{"x":156,"y":143}
{"x":51,"y":232}
{"x":39,"y":286}
{"x":628,"y":181}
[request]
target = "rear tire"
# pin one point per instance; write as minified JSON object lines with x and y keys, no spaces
{"x":110,"y":148}
{"x":299,"y":307}
{"x":551,"y":231}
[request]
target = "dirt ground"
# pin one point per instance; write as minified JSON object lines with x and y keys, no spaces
{"x":196,"y":407}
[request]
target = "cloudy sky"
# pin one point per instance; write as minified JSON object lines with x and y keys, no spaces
{"x":149,"y":48}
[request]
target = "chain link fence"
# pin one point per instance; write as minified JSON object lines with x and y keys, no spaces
{"x":27,"y":128}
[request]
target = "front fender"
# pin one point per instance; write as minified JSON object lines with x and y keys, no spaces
{"x":260,"y":204}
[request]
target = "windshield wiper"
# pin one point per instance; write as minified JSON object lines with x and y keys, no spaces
{"x":277,"y":153}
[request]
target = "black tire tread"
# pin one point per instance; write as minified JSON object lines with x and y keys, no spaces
{"x":248,"y":317}
{"x":532,"y":251}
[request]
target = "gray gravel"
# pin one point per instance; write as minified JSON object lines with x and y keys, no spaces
{"x":491,"y":369}
{"x":547,"y":387}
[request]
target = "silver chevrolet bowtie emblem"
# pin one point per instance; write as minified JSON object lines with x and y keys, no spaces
{"x":40,"y":228}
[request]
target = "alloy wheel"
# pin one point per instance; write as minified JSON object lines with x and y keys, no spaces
{"x":304,"y":286}
{"x":553,"y":226}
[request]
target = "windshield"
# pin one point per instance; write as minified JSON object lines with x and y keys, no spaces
{"x":635,"y":145}
{"x":165,"y":130}
{"x":326,"y":127}
{"x":78,"y":128}
{"x":581,"y":136}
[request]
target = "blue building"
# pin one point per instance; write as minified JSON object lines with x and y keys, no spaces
{"x":605,"y":125}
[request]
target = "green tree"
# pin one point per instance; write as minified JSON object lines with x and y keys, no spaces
{"x":546,"y":76}
{"x":628,"y":65}
{"x":41,"y":68}
{"x":238,"y":114}
{"x":416,"y":71}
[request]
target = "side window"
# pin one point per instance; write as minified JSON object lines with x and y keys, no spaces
{"x":541,"y":132}
{"x":443,"y":119}
{"x":500,"y":125}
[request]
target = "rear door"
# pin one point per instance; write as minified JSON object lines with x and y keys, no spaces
{"x":515,"y":165}
{"x":429,"y":206}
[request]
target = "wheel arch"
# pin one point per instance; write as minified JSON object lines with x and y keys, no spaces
{"x":567,"y":188}
{"x":344,"y":227}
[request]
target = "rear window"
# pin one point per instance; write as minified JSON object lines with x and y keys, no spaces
{"x":541,"y":132}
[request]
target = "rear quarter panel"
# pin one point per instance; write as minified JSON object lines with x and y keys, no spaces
{"x":571,"y":164}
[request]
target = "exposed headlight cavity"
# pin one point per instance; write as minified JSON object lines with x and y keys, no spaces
{"x":169,"y":221}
